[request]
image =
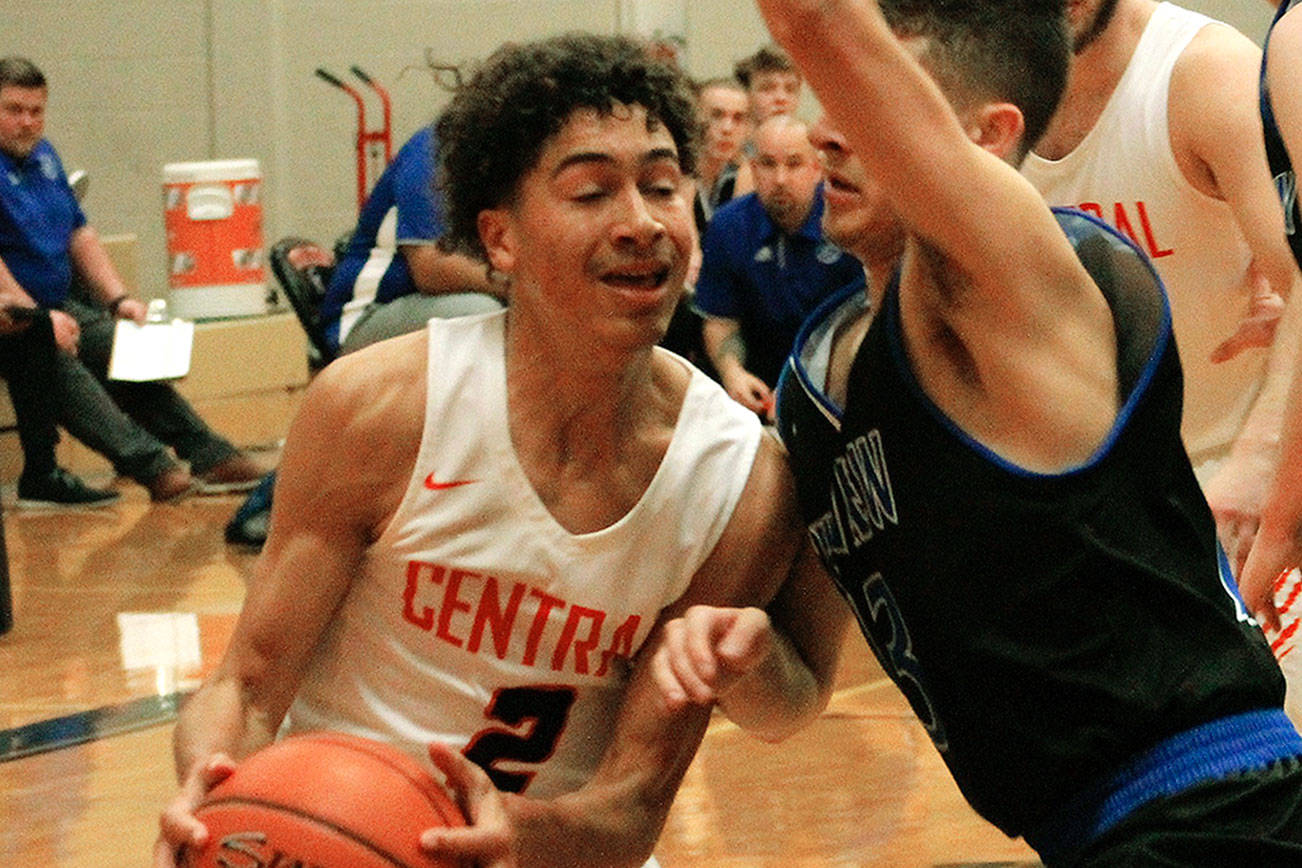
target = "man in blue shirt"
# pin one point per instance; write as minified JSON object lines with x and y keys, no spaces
{"x":393,"y":278}
{"x":766,"y":265}
{"x":46,"y":246}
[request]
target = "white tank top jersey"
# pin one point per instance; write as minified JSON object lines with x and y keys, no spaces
{"x":478,"y":620}
{"x":1125,"y":172}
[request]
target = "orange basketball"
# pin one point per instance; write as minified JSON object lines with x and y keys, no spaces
{"x":323,"y":800}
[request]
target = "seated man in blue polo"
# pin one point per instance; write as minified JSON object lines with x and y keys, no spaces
{"x":47,"y":247}
{"x":393,"y":278}
{"x":765,"y":265}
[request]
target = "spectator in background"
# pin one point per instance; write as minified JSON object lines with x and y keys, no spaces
{"x":772,"y":82}
{"x":28,"y":364}
{"x":46,"y":246}
{"x":766,"y":265}
{"x":392,"y":278}
{"x":722,"y":173}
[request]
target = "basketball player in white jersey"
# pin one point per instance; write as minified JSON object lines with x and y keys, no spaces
{"x":1158,"y":135}
{"x":477,"y":528}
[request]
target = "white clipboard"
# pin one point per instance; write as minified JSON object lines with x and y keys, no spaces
{"x":153,"y":351}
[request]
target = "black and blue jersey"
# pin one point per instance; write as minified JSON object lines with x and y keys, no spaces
{"x":1047,"y":629}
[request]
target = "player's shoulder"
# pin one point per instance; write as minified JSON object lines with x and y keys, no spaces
{"x":762,"y":537}
{"x":1213,"y":97}
{"x":1218,"y":49}
{"x":1286,"y":36}
{"x":373,"y":385}
{"x":771,"y":489}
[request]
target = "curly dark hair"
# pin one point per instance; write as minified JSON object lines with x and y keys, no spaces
{"x":494,"y":130}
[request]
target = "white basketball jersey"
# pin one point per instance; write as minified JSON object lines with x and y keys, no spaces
{"x":478,"y":620}
{"x":1125,"y":172}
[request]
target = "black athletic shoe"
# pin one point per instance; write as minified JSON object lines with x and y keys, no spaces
{"x":59,"y":489}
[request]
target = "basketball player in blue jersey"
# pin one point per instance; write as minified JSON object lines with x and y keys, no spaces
{"x":992,"y":469}
{"x":549,"y":486}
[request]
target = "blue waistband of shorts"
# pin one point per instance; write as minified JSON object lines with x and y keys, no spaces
{"x":1219,"y":749}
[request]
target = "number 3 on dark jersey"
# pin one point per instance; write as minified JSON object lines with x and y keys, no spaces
{"x":546,"y":708}
{"x":882,"y":622}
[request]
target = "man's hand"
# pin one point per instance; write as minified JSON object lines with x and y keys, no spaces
{"x":67,"y":334}
{"x":133,"y":309}
{"x":178,"y":826}
{"x":1273,"y":553}
{"x":708,"y":650}
{"x":1257,"y":329}
{"x":1236,"y":495}
{"x":749,"y":391}
{"x":489,"y":841}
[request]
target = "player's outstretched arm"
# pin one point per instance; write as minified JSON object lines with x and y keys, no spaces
{"x":1004,"y":327}
{"x":771,"y":672}
{"x":1276,"y":547}
{"x":1238,"y":491}
{"x":1216,"y":133}
{"x":1278,"y":543}
{"x":325,"y":510}
{"x":1216,"y":130}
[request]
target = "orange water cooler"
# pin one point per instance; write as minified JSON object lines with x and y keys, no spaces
{"x":212,"y":212}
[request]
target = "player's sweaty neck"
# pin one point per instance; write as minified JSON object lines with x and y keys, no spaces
{"x":1094,"y":75}
{"x":590,"y":445}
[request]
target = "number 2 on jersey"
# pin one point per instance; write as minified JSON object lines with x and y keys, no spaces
{"x":546,"y":708}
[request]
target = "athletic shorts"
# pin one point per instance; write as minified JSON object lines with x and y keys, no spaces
{"x":1250,"y":819}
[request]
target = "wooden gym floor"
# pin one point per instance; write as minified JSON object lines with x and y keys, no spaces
{"x":120,"y":612}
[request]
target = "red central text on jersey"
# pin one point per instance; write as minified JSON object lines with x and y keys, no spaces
{"x":467,"y":609}
{"x":1119,"y":219}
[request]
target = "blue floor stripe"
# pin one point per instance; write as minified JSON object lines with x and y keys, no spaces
{"x":84,"y":726}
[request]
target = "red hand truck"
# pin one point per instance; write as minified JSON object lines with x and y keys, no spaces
{"x":369,"y":142}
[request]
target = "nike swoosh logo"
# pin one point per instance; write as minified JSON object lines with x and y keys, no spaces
{"x":434,"y":485}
